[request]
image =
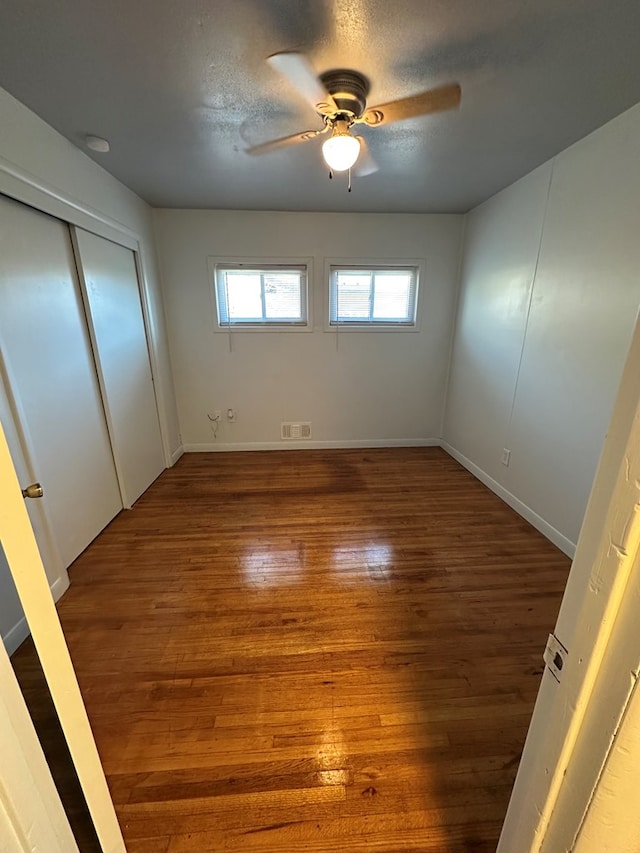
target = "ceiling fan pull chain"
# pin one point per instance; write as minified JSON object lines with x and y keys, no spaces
{"x":349,"y":184}
{"x":330,"y":175}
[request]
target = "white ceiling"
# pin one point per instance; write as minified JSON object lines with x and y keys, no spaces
{"x":181,"y":89}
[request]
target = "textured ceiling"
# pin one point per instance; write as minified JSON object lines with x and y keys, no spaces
{"x":181,"y":89}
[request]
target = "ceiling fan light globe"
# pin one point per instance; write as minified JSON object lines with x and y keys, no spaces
{"x":341,"y":151}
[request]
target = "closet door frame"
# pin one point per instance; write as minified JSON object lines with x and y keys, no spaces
{"x":23,"y":187}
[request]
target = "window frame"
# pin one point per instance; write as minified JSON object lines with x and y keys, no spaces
{"x":214,"y":263}
{"x":373,"y":265}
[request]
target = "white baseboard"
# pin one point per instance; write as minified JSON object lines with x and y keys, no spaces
{"x":16,"y":636}
{"x":176,"y":455}
{"x":20,"y":631}
{"x":564,"y":544}
{"x":311,"y":445}
{"x":59,"y":587}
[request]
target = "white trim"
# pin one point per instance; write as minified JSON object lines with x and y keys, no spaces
{"x":256,"y":262}
{"x":59,"y":587}
{"x":33,"y":191}
{"x":176,"y":455}
{"x":565,"y":545}
{"x":312,"y":445}
{"x":375,"y":263}
{"x":16,"y":636}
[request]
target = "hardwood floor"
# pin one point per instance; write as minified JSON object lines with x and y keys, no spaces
{"x":312,"y":651}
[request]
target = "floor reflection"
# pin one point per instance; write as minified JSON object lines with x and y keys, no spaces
{"x":331,"y":754}
{"x":355,"y":563}
{"x":273,"y":565}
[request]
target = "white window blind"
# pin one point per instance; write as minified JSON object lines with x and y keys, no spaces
{"x":259,"y":296}
{"x":383,"y":296}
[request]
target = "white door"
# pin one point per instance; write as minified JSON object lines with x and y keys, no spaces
{"x":108,"y":273}
{"x":579,"y":713}
{"x":31,"y":814}
{"x":25,"y":783}
{"x":49,"y":368}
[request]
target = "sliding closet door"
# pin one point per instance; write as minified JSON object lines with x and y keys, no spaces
{"x":120,"y":344}
{"x":48,"y":365}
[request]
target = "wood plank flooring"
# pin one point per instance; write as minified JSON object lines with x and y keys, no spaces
{"x":312,"y":651}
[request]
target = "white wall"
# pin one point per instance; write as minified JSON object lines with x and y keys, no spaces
{"x":40,"y":167}
{"x":540,"y":341}
{"x":368,"y":388}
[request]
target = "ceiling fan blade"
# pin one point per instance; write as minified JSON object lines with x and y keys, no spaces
{"x":300,"y":73}
{"x":365,"y":164}
{"x":433,"y":101}
{"x":285,"y":141}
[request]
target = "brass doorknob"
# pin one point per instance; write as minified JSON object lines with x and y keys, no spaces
{"x":35,"y":490}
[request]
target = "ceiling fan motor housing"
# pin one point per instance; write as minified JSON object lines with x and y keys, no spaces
{"x":348,"y":89}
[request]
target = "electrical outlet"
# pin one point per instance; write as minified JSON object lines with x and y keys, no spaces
{"x":231,"y":415}
{"x":506,"y":456}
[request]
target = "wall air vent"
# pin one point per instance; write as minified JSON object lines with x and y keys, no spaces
{"x":290,"y":431}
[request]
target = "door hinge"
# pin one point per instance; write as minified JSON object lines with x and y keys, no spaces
{"x":555,"y":656}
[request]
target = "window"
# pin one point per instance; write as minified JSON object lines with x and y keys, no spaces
{"x":373,"y":296}
{"x":261,"y":295}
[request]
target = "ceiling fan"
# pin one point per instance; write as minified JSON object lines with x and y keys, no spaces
{"x":340,"y":99}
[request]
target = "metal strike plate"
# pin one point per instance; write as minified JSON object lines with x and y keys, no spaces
{"x":555,"y":656}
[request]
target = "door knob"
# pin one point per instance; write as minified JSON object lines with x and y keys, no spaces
{"x":35,"y":490}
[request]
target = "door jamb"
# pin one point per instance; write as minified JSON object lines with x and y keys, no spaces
{"x":31,"y":814}
{"x":544,"y":802}
{"x":25,"y":564}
